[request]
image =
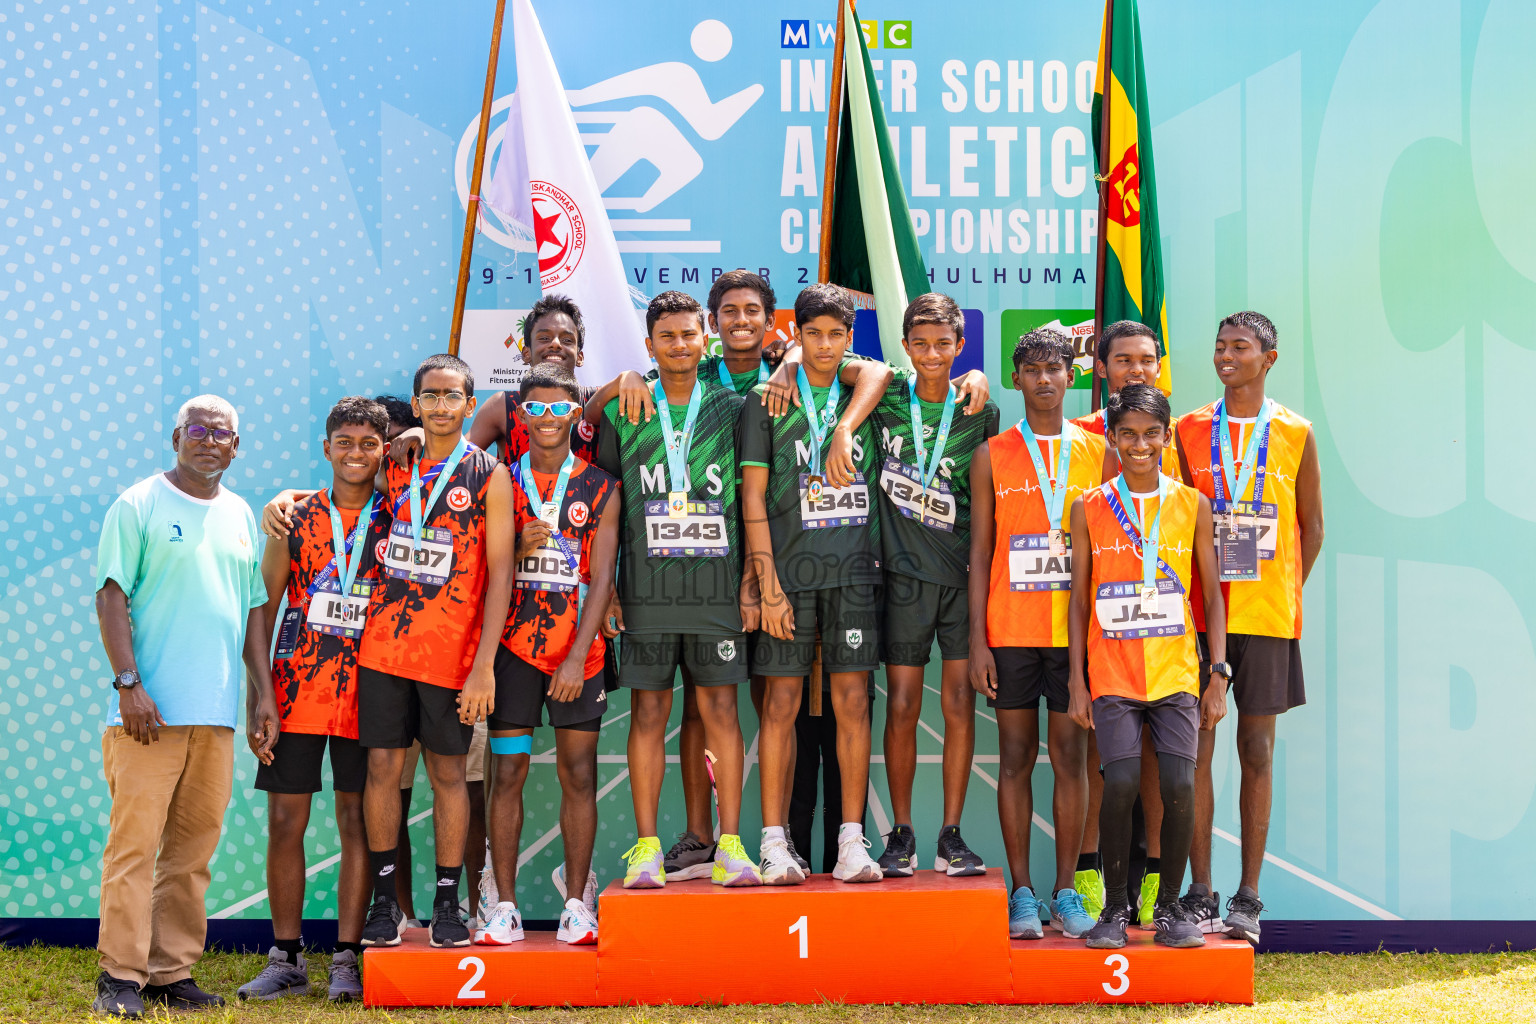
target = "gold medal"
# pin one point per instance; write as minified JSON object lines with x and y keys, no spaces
{"x":813,"y":487}
{"x":1058,"y":543}
{"x":1149,"y":599}
{"x":677,"y":504}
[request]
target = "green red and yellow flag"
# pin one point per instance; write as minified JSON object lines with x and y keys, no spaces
{"x":1133,"y":265}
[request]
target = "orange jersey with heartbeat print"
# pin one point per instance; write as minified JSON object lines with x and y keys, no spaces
{"x":1271,"y":604}
{"x":1154,"y":666}
{"x":1030,"y":589}
{"x":427,"y":628}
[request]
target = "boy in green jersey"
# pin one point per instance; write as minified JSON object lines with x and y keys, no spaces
{"x":680,"y":579}
{"x":813,"y":544}
{"x":925,"y":519}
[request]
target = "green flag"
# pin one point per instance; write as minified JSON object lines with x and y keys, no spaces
{"x":873,"y":246}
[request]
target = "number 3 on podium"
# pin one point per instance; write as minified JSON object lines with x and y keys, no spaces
{"x":803,"y":926}
{"x":1118,"y":965}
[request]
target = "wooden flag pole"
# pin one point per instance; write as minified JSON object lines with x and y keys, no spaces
{"x":829,"y":172}
{"x":472,"y":208}
{"x":1103,"y":183}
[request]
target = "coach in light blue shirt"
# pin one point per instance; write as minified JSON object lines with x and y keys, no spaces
{"x":179,"y":596}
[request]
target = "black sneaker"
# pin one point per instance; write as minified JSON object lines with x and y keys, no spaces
{"x":1174,"y":925}
{"x":1243,"y":911}
{"x":448,"y":928}
{"x":956,"y":859}
{"x":689,"y":858}
{"x":900,"y":856}
{"x":182,"y":995}
{"x":386,"y":921}
{"x":1201,"y":907}
{"x":1109,"y":933}
{"x":805,"y":865}
{"x":117,"y":998}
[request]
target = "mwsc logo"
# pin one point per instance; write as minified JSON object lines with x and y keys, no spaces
{"x":803,"y":34}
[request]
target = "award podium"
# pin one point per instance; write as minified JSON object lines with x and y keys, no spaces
{"x":924,"y":939}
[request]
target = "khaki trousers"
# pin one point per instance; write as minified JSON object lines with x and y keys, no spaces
{"x":168,"y":801}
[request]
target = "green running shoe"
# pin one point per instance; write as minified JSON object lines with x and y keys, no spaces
{"x":1144,"y":907}
{"x":1090,"y":885}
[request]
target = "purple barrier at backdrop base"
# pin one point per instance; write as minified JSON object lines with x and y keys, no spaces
{"x":255,"y":936}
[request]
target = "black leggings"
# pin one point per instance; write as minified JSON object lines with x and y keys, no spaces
{"x":1122,"y":784}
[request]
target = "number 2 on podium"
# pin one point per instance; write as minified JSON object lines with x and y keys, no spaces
{"x":803,"y":926}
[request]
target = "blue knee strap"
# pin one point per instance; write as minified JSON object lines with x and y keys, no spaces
{"x":512,"y":744}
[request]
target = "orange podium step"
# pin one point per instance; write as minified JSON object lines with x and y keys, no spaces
{"x":1056,"y":969}
{"x":535,"y":972}
{"x":925,"y":939}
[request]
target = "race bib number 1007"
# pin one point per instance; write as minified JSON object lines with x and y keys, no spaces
{"x":431,"y":564}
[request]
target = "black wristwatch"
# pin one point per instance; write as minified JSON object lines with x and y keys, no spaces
{"x":125,"y":680}
{"x":1224,"y":668}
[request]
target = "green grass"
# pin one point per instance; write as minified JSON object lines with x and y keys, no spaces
{"x":41,"y":983}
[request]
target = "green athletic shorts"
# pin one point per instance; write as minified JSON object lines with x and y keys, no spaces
{"x":915,"y":612}
{"x":649,"y":661}
{"x":848,"y":621}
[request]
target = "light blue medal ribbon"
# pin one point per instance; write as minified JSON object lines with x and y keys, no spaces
{"x":928,"y":468}
{"x":677,"y":444}
{"x":1148,"y":538}
{"x":1055,"y":497}
{"x":1254,"y":456}
{"x":341,"y":564}
{"x":725,"y":373}
{"x":549,"y":513}
{"x":821,"y":423}
{"x":418,"y":510}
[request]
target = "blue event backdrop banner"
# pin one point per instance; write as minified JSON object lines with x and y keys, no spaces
{"x":265,"y":200}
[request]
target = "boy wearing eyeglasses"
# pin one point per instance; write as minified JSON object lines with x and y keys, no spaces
{"x":327,"y":570}
{"x":550,"y":658}
{"x":428,"y":650}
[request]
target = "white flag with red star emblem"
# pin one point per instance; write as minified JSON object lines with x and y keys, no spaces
{"x":544,"y":182}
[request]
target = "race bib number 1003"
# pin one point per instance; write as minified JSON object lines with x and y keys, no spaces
{"x":431,"y":564}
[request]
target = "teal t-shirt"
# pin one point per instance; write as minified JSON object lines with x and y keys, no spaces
{"x":192,"y":572}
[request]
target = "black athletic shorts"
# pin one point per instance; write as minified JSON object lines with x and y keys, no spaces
{"x":393,"y":710}
{"x":848,"y":619}
{"x":1175,"y":722}
{"x":1266,"y":673}
{"x":297,"y":760}
{"x":649,"y":661}
{"x":914,"y":612}
{"x":522,"y":694}
{"x":1026,"y":675}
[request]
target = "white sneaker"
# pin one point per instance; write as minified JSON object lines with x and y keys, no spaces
{"x":578,"y":925}
{"x":588,"y":891}
{"x":504,"y":927}
{"x":778,"y":865}
{"x":485,"y":909}
{"x":854,"y":863}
